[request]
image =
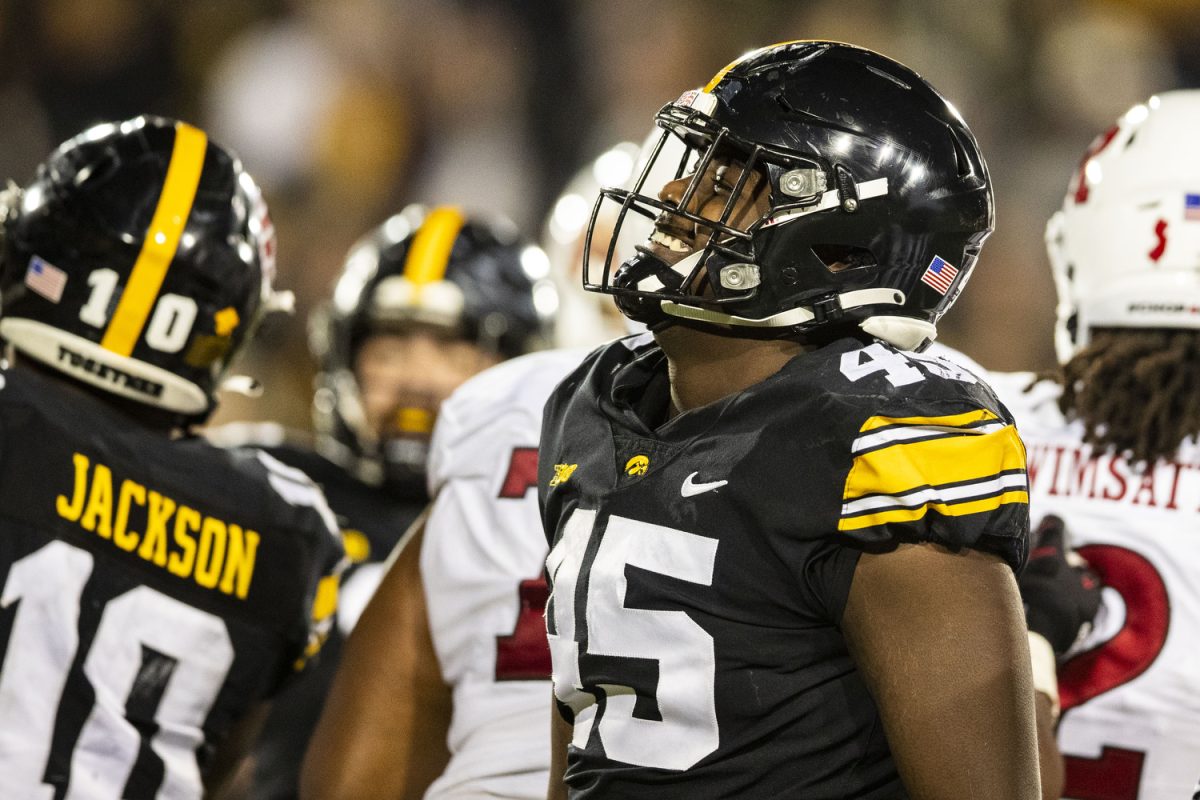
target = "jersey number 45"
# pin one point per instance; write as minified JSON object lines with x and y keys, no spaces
{"x":588,"y":606}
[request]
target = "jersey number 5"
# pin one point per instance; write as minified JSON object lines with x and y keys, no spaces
{"x":590,"y":626}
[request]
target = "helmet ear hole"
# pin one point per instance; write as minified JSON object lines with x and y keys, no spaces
{"x":965,"y":168}
{"x":101,"y":170}
{"x":842,"y":257}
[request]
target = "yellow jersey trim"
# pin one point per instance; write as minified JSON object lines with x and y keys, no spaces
{"x":956,"y":464}
{"x":326,"y":600}
{"x":955,"y":458}
{"x":950,"y":421}
{"x":946,"y":509}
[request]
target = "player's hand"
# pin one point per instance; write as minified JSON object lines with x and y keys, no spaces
{"x":1061,"y":594}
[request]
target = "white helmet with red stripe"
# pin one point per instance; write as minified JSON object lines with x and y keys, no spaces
{"x":586,"y":318}
{"x":1125,"y":248}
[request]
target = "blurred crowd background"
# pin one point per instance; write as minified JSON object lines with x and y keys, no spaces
{"x":345,"y":110}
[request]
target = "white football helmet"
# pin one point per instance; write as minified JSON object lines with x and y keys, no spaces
{"x":585,"y":318}
{"x":1125,"y":248}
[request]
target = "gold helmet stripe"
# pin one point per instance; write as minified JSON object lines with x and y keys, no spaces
{"x":161,"y":241}
{"x":708,"y":87}
{"x":430,"y":252}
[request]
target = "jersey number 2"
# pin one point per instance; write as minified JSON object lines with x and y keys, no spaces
{"x":1116,"y":773}
{"x":683,"y":730}
{"x":134,"y":657}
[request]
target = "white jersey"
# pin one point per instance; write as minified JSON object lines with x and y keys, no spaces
{"x":482,"y":565}
{"x":1131,"y":691}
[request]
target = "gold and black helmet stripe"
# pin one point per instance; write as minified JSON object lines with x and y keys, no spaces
{"x":161,"y":241}
{"x":429,"y":255}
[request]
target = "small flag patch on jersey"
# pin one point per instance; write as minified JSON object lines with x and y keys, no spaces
{"x":939,"y":274}
{"x":45,"y":279}
{"x":1191,"y":207}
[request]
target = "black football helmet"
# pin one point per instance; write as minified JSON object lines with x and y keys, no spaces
{"x":137,"y":261}
{"x":466,"y":277}
{"x":879,"y":202}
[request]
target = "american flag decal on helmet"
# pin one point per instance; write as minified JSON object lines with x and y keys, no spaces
{"x":45,"y":279}
{"x":1191,"y":206}
{"x":939,"y":274}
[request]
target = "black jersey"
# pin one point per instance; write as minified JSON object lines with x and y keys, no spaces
{"x":153,"y":590}
{"x":372,"y":520}
{"x":700,"y":566}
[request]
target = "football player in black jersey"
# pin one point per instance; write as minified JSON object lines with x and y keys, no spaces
{"x":154,"y":589}
{"x":425,"y":300}
{"x":783,"y":545}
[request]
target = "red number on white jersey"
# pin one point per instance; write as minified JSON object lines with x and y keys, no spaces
{"x":523,"y":655}
{"x":1115,"y":775}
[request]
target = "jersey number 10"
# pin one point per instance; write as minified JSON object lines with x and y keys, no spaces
{"x":169,"y":326}
{"x":132,"y":659}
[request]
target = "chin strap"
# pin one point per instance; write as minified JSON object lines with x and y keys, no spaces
{"x":786,"y":319}
{"x":243,"y":385}
{"x":88,"y":362}
{"x":281,"y":301}
{"x":906,"y":333}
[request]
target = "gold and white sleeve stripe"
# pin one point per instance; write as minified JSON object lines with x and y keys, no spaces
{"x":954,"y":465}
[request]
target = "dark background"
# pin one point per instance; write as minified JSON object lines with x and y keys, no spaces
{"x":345,"y":110}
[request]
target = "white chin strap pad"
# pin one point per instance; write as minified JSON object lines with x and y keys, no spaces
{"x":903,"y":332}
{"x":90,"y":363}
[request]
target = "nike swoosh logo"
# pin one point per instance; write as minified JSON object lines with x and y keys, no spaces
{"x":690,"y":489}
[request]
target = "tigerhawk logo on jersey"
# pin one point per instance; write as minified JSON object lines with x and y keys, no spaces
{"x":215,"y":554}
{"x":117,"y":376}
{"x":638,"y":465}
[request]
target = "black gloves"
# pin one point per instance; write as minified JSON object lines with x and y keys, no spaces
{"x":1060,"y":593}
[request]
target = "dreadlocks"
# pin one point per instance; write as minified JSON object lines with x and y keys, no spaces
{"x":1136,"y":391}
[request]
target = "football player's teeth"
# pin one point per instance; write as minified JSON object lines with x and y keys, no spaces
{"x":669,"y":241}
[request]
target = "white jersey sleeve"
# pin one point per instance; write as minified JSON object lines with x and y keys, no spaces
{"x":1131,"y":692}
{"x":482,"y":567}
